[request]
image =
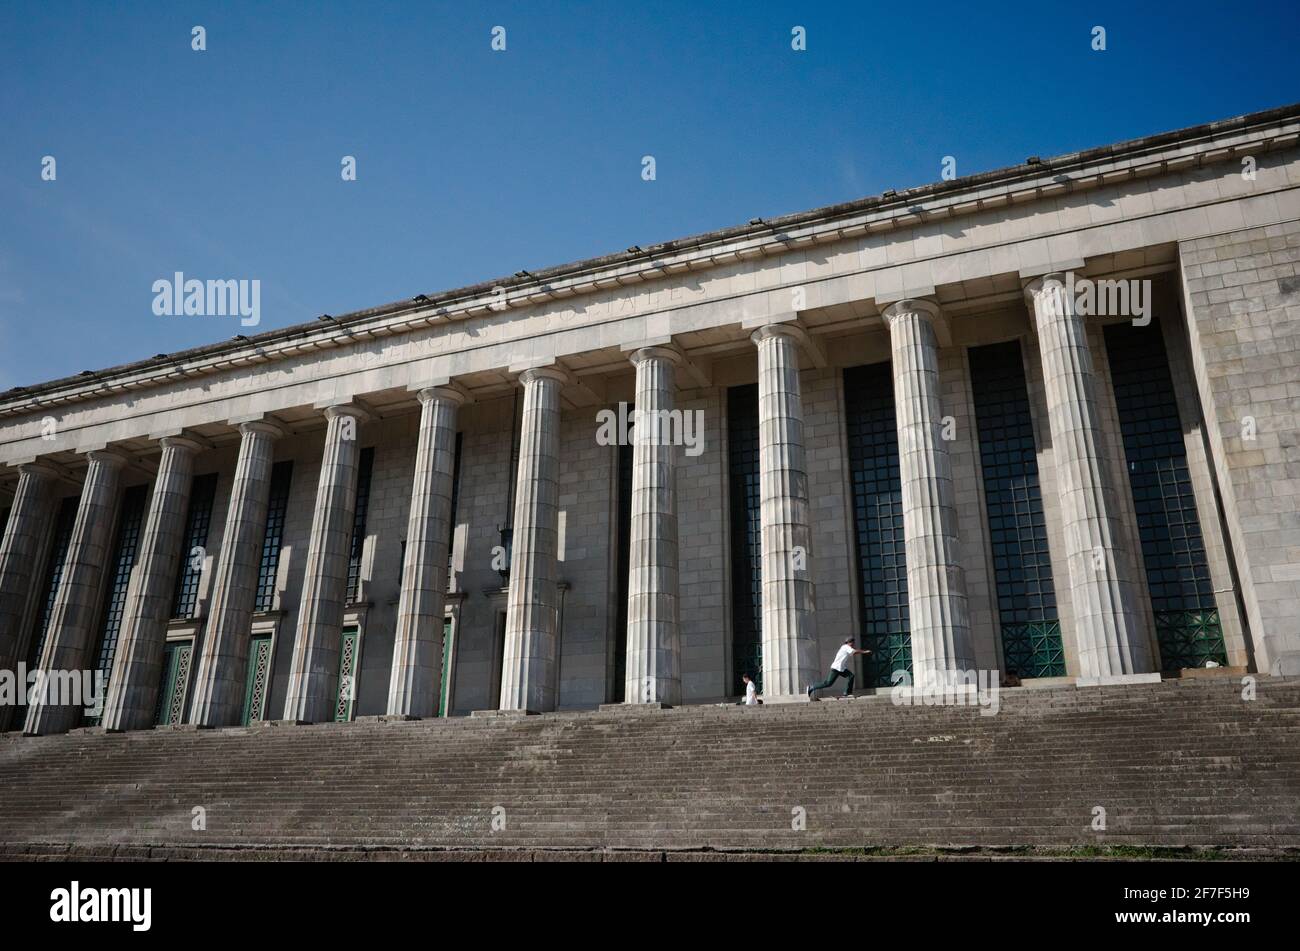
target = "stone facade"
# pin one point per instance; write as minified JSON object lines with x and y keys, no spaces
{"x":577,"y":574}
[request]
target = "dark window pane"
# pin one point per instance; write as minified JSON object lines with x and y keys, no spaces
{"x":1022,"y":572}
{"x":878,"y":521}
{"x":746,"y":551}
{"x":1182,"y":598}
{"x":63,"y":525}
{"x":197,"y":525}
{"x":617,"y":691}
{"x":122,"y":560}
{"x":365,"y":468}
{"x":273,"y":539}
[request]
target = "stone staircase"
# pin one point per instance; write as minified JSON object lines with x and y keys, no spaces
{"x":1174,"y":764}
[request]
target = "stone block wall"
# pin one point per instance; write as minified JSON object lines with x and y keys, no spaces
{"x":1242,"y":306}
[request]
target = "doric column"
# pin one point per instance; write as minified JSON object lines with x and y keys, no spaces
{"x":789,"y":611}
{"x":653,"y":640}
{"x":223,"y":661}
{"x":936,"y":587}
{"x":527,"y":680}
{"x":1110,"y":642}
{"x":30,"y":518}
{"x":416,"y":678}
{"x":314,"y":672}
{"x":76,"y":606}
{"x":137,"y":665}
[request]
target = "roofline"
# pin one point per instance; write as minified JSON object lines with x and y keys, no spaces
{"x":757,"y":227}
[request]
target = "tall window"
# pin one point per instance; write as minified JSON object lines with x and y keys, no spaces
{"x":273,"y":540}
{"x":1022,"y":566}
{"x":63,"y":525}
{"x":455,"y":503}
{"x":365,"y":469}
{"x":1173,"y":551}
{"x":624,"y":563}
{"x":746,"y":537}
{"x":197,"y":524}
{"x":125,"y":546}
{"x":878,"y":521}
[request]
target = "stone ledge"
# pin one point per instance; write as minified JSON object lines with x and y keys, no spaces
{"x":1118,"y":680}
{"x":625,"y":708}
{"x":502,"y":714}
{"x":388,"y":718}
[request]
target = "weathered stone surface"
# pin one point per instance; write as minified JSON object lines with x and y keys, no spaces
{"x":137,"y":665}
{"x":653,"y":636}
{"x":417,"y":645}
{"x":223,"y":658}
{"x":76,"y":604}
{"x":1177,"y":764}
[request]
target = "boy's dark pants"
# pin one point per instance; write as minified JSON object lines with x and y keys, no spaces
{"x":831,"y":678}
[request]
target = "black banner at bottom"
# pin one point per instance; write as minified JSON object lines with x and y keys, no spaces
{"x":902,"y":898}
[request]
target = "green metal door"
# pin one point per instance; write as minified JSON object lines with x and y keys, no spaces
{"x":258,"y":679}
{"x":445,"y":693}
{"x":175,"y":677}
{"x":347,"y":675}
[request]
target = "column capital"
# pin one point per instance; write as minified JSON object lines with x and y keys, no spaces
{"x":911,"y":305}
{"x":641,"y":355}
{"x":449,"y":392}
{"x":335,"y":410}
{"x":40,"y":468}
{"x":181,"y":443}
{"x":262,"y":427}
{"x":543,"y":373}
{"x":791,"y":330}
{"x":109,"y":457}
{"x":1035,"y":286}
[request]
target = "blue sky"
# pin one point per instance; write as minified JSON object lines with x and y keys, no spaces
{"x":472,"y":164}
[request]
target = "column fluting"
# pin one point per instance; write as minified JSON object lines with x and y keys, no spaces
{"x":415,"y":682}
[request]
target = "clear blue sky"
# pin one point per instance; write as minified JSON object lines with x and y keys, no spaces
{"x":473,"y":164}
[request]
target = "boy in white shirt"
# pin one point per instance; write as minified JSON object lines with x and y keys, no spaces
{"x":839,"y":668}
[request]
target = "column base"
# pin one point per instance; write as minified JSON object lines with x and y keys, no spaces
{"x":780,"y":698}
{"x":503,"y":714}
{"x":1115,"y":680}
{"x":1286,"y":665}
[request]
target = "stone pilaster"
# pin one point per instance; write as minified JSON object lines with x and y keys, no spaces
{"x":223,"y":660}
{"x":1110,"y":641}
{"x":653,"y":638}
{"x":936,"y":587}
{"x":314,"y":672}
{"x":30,"y":519}
{"x":416,"y":677}
{"x":137,"y":665}
{"x":789,"y":608}
{"x":76,"y":606}
{"x":528,"y":676}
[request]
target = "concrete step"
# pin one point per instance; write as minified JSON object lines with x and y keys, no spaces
{"x":1179,"y":764}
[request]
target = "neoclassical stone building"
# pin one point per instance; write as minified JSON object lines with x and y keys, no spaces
{"x":912,"y":431}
